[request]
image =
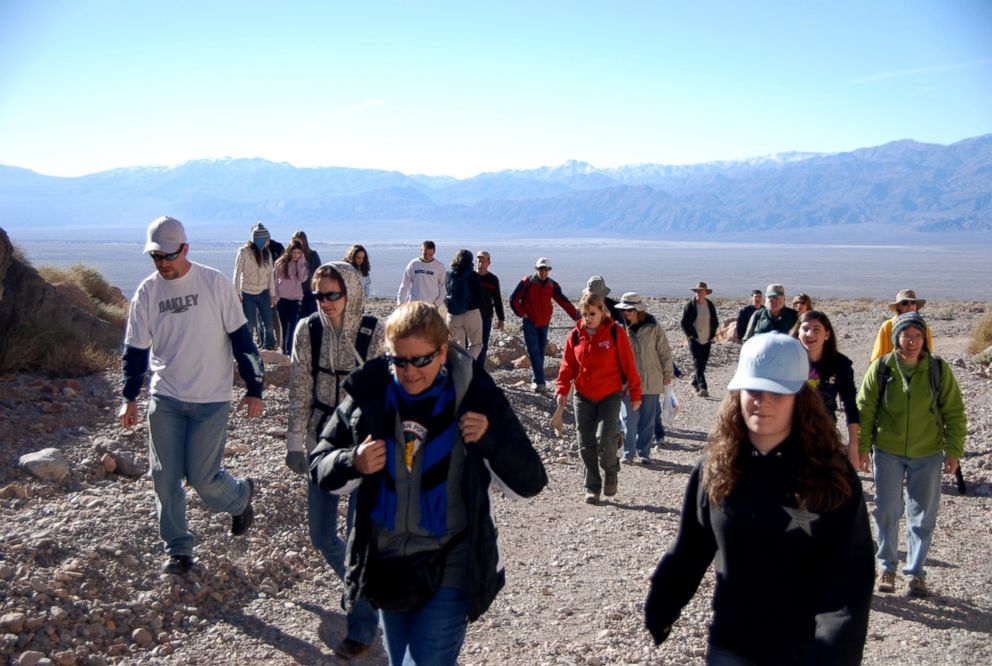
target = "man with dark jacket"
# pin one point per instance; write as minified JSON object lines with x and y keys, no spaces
{"x":492,"y":301}
{"x":699,"y":323}
{"x":776,"y":317}
{"x":531,"y":301}
{"x":744,"y":315}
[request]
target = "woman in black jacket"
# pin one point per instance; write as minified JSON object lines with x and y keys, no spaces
{"x":830,"y":372}
{"x":778,"y":509}
{"x":423,"y":435}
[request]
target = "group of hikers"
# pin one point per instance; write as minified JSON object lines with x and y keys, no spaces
{"x":401,"y":418}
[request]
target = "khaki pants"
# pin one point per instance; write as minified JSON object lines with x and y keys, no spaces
{"x":466,"y":330}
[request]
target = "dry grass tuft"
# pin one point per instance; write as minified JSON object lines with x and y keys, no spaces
{"x":53,"y":348}
{"x":981,"y":337}
{"x":115,"y":314}
{"x":93,"y":284}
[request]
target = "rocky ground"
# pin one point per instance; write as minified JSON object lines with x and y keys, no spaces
{"x":80,"y":557}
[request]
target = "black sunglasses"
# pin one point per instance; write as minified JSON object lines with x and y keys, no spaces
{"x":417,"y":361}
{"x":903,"y":303}
{"x":328,"y":295}
{"x":166,"y":257}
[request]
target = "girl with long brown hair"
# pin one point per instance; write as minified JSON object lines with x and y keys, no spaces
{"x":778,"y":509}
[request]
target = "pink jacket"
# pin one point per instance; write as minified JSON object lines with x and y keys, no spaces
{"x":291,"y":288}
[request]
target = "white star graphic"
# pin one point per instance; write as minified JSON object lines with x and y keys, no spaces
{"x":801,"y":520}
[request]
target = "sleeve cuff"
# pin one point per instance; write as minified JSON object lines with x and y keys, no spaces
{"x":294,"y":441}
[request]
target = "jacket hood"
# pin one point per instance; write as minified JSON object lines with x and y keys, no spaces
{"x":355,"y":306}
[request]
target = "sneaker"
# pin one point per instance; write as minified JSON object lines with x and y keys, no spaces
{"x":241,"y":522}
{"x":887,"y":582}
{"x":591,"y":497}
{"x":659,"y":443}
{"x":540,"y":389}
{"x":918,"y":587}
{"x":627,"y":460}
{"x":703,"y":393}
{"x":349,"y":648}
{"x":644,"y":460}
{"x":178,"y":565}
{"x":610,"y":486}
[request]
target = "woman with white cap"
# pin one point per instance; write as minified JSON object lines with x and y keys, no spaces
{"x":777,"y":508}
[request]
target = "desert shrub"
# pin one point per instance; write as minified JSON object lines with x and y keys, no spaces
{"x":53,"y":348}
{"x":91,"y":281}
{"x":981,"y":337}
{"x":113,"y":313}
{"x":54,"y":274}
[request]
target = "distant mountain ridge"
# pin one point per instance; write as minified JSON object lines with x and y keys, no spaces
{"x":903,"y":184}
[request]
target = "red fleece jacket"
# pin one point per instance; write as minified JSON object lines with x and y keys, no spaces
{"x":532,"y":299}
{"x":595,"y":364}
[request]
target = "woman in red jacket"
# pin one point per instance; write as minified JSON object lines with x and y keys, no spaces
{"x":598,"y":358}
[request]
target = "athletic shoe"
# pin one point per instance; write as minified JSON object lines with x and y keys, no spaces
{"x":918,"y":587}
{"x":591,"y":497}
{"x":350,"y":648}
{"x":178,"y":565}
{"x":241,"y":522}
{"x":887,"y":582}
{"x":627,"y":460}
{"x":703,"y":393}
{"x":659,"y":443}
{"x":644,"y":460}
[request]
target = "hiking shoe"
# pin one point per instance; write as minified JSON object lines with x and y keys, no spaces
{"x":918,"y":587}
{"x":178,"y":565}
{"x":610,"y":485}
{"x":887,"y":582}
{"x":703,"y":393}
{"x":627,"y":460}
{"x":644,"y":460}
{"x":591,"y":497}
{"x":659,"y":442}
{"x":349,"y":648}
{"x":241,"y":522}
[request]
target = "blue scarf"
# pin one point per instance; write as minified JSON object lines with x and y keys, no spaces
{"x":442,"y":430}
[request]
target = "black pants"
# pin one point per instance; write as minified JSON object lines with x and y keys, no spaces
{"x":700,"y":357}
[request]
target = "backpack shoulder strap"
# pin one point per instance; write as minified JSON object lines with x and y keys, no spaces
{"x":365,"y":331}
{"x":316,"y":336}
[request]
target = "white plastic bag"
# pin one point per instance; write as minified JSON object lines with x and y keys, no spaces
{"x":669,"y":406}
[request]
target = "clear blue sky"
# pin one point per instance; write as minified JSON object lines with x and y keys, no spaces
{"x":462,"y":87}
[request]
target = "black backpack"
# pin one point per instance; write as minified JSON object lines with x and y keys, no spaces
{"x":365,"y":330}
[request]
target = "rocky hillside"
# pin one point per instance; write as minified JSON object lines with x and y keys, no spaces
{"x":80,"y":555}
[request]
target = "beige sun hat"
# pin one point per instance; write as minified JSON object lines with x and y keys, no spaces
{"x":907,"y":295}
{"x":632,"y":301}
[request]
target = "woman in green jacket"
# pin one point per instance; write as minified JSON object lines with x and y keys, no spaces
{"x":916,"y":427}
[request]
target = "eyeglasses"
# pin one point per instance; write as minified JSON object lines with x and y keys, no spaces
{"x":328,"y":295}
{"x":416,"y":361}
{"x":166,"y":257}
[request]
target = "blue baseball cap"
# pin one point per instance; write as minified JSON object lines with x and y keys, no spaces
{"x":773,"y":362}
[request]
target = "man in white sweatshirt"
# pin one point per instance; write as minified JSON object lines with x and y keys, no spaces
{"x":423,"y":279}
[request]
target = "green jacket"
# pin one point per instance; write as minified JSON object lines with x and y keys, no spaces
{"x":907,"y":424}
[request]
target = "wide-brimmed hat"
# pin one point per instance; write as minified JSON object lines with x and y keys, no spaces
{"x":543,"y":262}
{"x":773,"y":290}
{"x":907,"y":295}
{"x":701,"y":286}
{"x":596,"y":284}
{"x":773,"y":362}
{"x":631,"y":301}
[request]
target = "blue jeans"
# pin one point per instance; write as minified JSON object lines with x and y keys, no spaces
{"x":638,"y":427}
{"x":430,"y":636}
{"x":922,"y":476}
{"x":322,"y":519}
{"x":487,"y":329}
{"x":597,"y":424}
{"x":186,"y":440}
{"x":258,"y":312}
{"x":536,"y":339}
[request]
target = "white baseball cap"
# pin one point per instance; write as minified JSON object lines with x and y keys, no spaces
{"x":773,"y":362}
{"x":166,"y":234}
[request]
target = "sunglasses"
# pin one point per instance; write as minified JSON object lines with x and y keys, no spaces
{"x":166,"y":257}
{"x":903,"y":303}
{"x":416,"y":361}
{"x":328,"y":295}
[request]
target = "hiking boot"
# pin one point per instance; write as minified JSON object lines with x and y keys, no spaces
{"x":591,"y":497}
{"x":918,"y":587}
{"x":610,"y":485}
{"x":241,"y":522}
{"x":887,"y":582}
{"x":178,"y":565}
{"x":349,"y":648}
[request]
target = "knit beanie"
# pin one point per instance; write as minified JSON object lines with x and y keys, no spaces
{"x":259,"y":234}
{"x":906,"y":320}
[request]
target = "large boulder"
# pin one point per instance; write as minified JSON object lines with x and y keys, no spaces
{"x":47,"y":464}
{"x":25,"y":298}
